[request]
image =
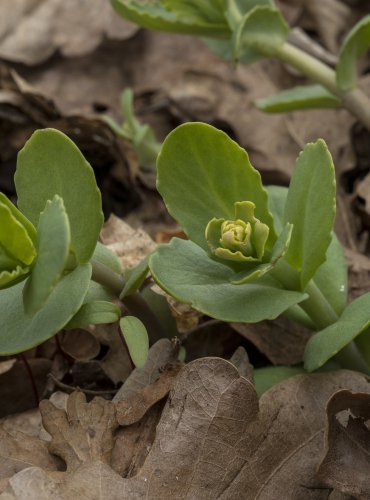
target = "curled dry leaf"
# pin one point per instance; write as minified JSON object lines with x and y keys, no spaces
{"x":51,"y":25}
{"x":346,"y":465}
{"x":80,"y":344}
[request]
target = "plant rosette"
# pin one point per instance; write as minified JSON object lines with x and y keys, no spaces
{"x":256,"y":253}
{"x":54,"y":274}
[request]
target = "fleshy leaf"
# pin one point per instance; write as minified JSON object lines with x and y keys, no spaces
{"x":19,"y":332}
{"x":155,"y":17}
{"x":30,"y":228}
{"x":201,"y":174}
{"x":136,"y":338}
{"x":52,"y":159}
{"x":279,"y":250}
{"x":301,"y":97}
{"x":261,"y":33}
{"x":325,"y":344}
{"x":136,"y":277}
{"x":53,"y":241}
{"x":310,"y":207}
{"x":9,"y":278}
{"x":187,"y":273}
{"x":107,"y":257}
{"x":14,"y":237}
{"x":356,"y":43}
{"x":95,"y":313}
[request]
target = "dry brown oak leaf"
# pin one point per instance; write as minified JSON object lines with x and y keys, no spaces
{"x":346,"y":465}
{"x":214,"y":441}
{"x":32,"y":30}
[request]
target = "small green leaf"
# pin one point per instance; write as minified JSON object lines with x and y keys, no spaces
{"x":328,"y":342}
{"x":30,"y":228}
{"x":356,"y":43}
{"x":49,"y":164}
{"x":188,"y":273}
{"x":261,"y":34}
{"x":264,"y":378}
{"x":279,"y":250}
{"x":19,"y":332}
{"x":107,"y":257}
{"x":332,"y":277}
{"x":136,"y":338}
{"x":95,"y":313}
{"x":310,"y":207}
{"x":155,"y":17}
{"x":14,"y":238}
{"x":135,"y":278}
{"x":302,"y":97}
{"x":10,"y":278}
{"x":53,"y":241}
{"x":201,"y":174}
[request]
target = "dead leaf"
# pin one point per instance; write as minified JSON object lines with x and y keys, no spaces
{"x":240,"y":360}
{"x":282,"y":341}
{"x":80,"y":344}
{"x":86,"y":435}
{"x":130,"y":245}
{"x":51,"y":25}
{"x":160,"y":354}
{"x":359,"y":273}
{"x":346,"y":465}
{"x":133,"y":408}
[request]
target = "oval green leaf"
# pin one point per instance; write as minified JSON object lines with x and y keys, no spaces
{"x":49,"y":164}
{"x":310,"y":207}
{"x":187,"y":273}
{"x":356,"y":43}
{"x":136,"y":338}
{"x":19,"y":332}
{"x":53,"y":242}
{"x":201,"y":174}
{"x":95,"y":313}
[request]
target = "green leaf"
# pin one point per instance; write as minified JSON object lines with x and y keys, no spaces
{"x":30,"y":228}
{"x":261,"y":34}
{"x":266,"y":377}
{"x":106,"y":256}
{"x":332,"y":277}
{"x":356,"y":43}
{"x":310,"y":207}
{"x":10,"y":278}
{"x":95,"y":313}
{"x":49,"y":164}
{"x":155,"y":17}
{"x":53,"y":242}
{"x":302,"y":97}
{"x":136,"y":338}
{"x":19,"y":332}
{"x":277,"y":199}
{"x":236,"y":9}
{"x":201,"y":174}
{"x":328,"y":342}
{"x":278,"y":251}
{"x":135,"y":278}
{"x":14,"y":238}
{"x":188,"y":273}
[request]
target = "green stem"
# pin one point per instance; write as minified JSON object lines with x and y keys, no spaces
{"x":135,"y":303}
{"x":353,"y":100}
{"x":321,"y":312}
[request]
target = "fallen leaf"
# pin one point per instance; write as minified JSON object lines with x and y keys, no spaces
{"x":51,"y":25}
{"x":346,"y":465}
{"x":359,"y":273}
{"x":80,"y":344}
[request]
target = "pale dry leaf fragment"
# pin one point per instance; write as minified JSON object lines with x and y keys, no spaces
{"x":32,"y":30}
{"x":160,"y":354}
{"x":83,"y":433}
{"x":346,"y":465}
{"x":130,"y":245}
{"x":359,"y":273}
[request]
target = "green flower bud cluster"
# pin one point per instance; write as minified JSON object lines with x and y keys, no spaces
{"x":242,"y":239}
{"x":17,"y":244}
